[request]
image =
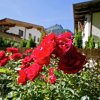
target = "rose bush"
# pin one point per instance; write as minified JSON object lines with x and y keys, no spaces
{"x":61,"y":46}
{"x":51,"y":71}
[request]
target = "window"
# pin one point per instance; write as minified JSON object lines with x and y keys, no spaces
{"x":20,"y":33}
{"x":34,"y":38}
{"x":38,"y":39}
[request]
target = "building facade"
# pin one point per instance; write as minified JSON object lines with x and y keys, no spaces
{"x":22,"y":29}
{"x":87,"y":19}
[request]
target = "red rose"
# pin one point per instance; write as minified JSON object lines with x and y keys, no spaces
{"x":4,"y":61}
{"x":27,"y":60}
{"x":72,"y":62}
{"x":33,"y":71}
{"x":63,"y":44}
{"x":22,"y":79}
{"x":2,"y":54}
{"x":66,"y":35}
{"x":28,"y":51}
{"x":52,"y":79}
{"x":51,"y":71}
{"x":24,"y":66}
{"x":49,"y":38}
{"x":12,"y":50}
{"x":41,"y":55}
{"x":16,"y":56}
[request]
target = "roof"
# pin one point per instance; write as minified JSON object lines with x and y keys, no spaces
{"x":12,"y":22}
{"x":83,"y":8}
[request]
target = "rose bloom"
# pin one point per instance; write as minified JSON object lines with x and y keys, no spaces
{"x":16,"y":56}
{"x":51,"y":71}
{"x":28,"y":51}
{"x":27,"y":60}
{"x":24,"y":66}
{"x":22,"y":79}
{"x":4,"y":61}
{"x":52,"y":79}
{"x":72,"y":62}
{"x":33,"y":71}
{"x":41,"y":54}
{"x":63,"y":44}
{"x":2,"y":54}
{"x":12,"y":50}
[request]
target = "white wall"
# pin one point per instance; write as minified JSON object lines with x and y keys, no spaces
{"x":96,"y":26}
{"x":86,"y":32}
{"x":15,"y":30}
{"x":33,"y":32}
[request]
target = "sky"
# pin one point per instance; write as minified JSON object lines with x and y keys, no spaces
{"x":41,"y":12}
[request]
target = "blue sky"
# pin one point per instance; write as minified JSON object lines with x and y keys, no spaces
{"x":40,"y":12}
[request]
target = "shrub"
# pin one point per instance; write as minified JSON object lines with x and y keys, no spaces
{"x":67,"y":86}
{"x":30,"y":43}
{"x":8,"y":43}
{"x":99,"y":43}
{"x":90,"y":44}
{"x":53,"y":71}
{"x":78,"y":40}
{"x":23,"y":43}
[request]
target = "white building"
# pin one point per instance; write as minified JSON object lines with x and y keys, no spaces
{"x":22,"y":29}
{"x":87,"y":19}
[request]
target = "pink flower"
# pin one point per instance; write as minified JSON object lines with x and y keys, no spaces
{"x":12,"y":50}
{"x":52,"y":79}
{"x":51,"y":71}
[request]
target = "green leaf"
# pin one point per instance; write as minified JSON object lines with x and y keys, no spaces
{"x":5,"y":70}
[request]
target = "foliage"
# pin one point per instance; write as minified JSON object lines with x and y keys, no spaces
{"x":23,"y":43}
{"x":78,"y":40}
{"x":90,"y":44}
{"x":30,"y":43}
{"x":11,"y":43}
{"x":52,"y":71}
{"x":99,"y":43}
{"x":8,"y":43}
{"x":67,"y":86}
